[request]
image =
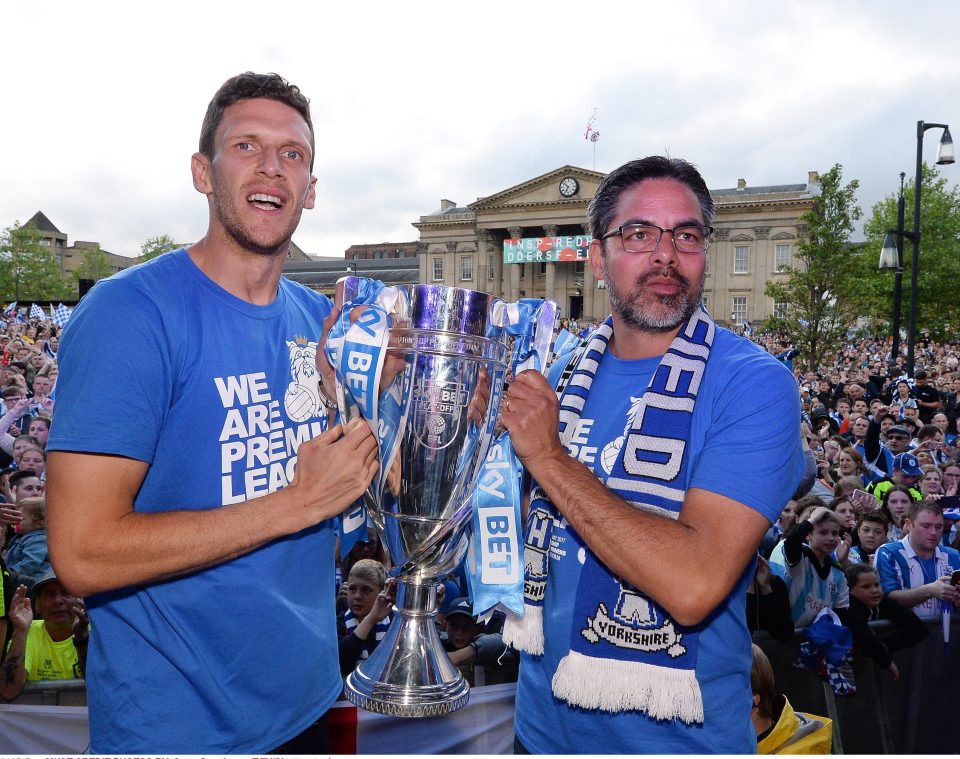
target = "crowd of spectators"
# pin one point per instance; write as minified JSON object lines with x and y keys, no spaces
{"x":44,"y":629}
{"x":876,"y":536}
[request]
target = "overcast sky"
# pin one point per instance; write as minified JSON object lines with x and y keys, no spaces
{"x":414,"y":101}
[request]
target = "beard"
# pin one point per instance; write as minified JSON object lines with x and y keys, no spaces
{"x":262,"y":244}
{"x":648,"y":311}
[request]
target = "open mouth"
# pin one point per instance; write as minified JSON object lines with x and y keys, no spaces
{"x":265,"y":202}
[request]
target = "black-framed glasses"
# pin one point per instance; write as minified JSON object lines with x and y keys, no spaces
{"x":645,"y":238}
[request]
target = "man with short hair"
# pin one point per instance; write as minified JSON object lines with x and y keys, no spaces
{"x":199,"y":523}
{"x":928,"y":397}
{"x":24,"y":483}
{"x":640,"y":548}
{"x":915,"y":571}
{"x":50,"y":648}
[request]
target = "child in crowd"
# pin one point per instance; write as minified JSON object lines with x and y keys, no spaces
{"x":846,"y":514}
{"x":27,"y":558}
{"x":35,"y":458}
{"x":814,"y":579}
{"x":867,"y":603}
{"x":871,"y":534}
{"x":469,"y":644}
{"x":365,"y":622}
{"x":781,"y":730}
{"x":895,"y":505}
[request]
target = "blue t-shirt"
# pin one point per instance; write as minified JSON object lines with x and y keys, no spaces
{"x":745,"y":445}
{"x":160,"y":364}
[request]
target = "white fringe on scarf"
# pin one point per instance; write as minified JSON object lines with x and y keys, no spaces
{"x":614,"y":685}
{"x":525,"y":633}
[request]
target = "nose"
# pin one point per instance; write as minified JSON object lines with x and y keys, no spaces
{"x":270,"y":164}
{"x":665,"y":254}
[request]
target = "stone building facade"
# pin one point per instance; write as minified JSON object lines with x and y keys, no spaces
{"x":530,"y":240}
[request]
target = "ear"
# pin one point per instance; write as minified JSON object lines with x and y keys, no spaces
{"x":200,"y":168}
{"x":311,"y":198}
{"x":596,"y":259}
{"x":756,"y":700}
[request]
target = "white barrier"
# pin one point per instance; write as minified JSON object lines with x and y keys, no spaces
{"x":484,"y":726}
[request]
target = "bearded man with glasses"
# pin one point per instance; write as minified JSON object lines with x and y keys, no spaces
{"x":683,"y":449}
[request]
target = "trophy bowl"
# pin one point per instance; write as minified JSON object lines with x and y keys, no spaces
{"x":436,"y":396}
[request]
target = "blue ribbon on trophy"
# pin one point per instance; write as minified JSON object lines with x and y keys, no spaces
{"x":495,"y":559}
{"x":356,"y":349}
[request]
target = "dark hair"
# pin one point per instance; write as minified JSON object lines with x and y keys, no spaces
{"x":917,"y":506}
{"x":854,"y":571}
{"x":603,"y":207}
{"x":928,"y":431}
{"x":877,"y":517}
{"x":247,"y":86}
{"x":19,"y":476}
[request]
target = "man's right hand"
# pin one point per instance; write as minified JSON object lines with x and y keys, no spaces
{"x":942,"y":589}
{"x":20,"y":611}
{"x":335,"y":468}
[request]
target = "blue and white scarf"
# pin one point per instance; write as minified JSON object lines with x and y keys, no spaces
{"x":626,"y":653}
{"x":350,"y":622}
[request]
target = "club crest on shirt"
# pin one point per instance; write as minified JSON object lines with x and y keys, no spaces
{"x":634,"y":624}
{"x":611,"y":451}
{"x":302,"y":398}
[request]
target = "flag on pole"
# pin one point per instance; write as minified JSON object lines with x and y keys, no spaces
{"x":36,"y":312}
{"x":10,"y":310}
{"x":748,"y":328}
{"x":61,"y":315}
{"x":591,"y":134}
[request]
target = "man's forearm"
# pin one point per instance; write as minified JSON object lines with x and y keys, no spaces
{"x":13,"y":673}
{"x":148,"y":547}
{"x":910,"y":597}
{"x":662,"y":556}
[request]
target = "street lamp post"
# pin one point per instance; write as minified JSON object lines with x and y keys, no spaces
{"x":945,"y":155}
{"x":891,"y":257}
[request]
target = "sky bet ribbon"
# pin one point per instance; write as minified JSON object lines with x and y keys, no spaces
{"x":356,"y":350}
{"x":495,"y":560}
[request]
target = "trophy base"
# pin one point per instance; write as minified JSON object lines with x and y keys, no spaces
{"x":409,"y":674}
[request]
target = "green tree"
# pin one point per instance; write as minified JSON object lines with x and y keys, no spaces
{"x":28,"y":269}
{"x":821,"y":295}
{"x":938,"y":307}
{"x":154,"y":246}
{"x":94,"y":265}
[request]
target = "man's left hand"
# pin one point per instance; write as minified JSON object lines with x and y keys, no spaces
{"x":529,"y":412}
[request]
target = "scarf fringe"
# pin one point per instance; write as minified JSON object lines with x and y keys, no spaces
{"x":613,"y":685}
{"x":525,"y":633}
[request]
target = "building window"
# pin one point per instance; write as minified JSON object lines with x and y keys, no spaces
{"x":706,"y":302}
{"x":543,"y":267}
{"x":466,"y":267}
{"x":741,"y":259}
{"x":578,"y":267}
{"x":739,"y":309}
{"x":780,"y":309}
{"x":490,"y":266}
{"x":437,"y":269}
{"x":781,"y":258}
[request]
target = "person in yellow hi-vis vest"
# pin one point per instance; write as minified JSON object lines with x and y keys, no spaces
{"x":780,"y":729}
{"x":51,"y":648}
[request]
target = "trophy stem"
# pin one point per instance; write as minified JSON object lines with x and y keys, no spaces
{"x":409,"y":674}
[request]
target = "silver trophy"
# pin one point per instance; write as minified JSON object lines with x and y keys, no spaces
{"x":442,"y":379}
